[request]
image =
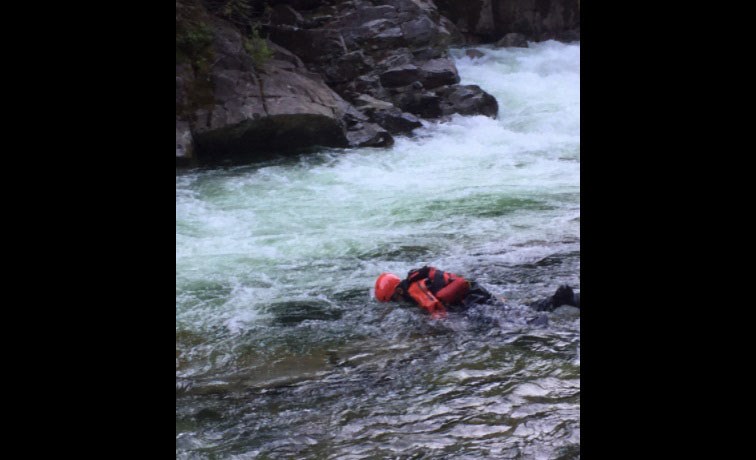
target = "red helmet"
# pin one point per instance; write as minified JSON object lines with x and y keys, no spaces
{"x":385,"y":286}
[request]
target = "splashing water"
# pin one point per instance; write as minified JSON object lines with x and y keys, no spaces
{"x":282,"y":353}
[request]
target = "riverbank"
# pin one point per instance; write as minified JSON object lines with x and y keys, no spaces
{"x":278,"y":76}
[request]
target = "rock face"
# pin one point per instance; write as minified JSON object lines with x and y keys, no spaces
{"x":335,"y":74}
{"x":184,"y":144}
{"x":537,"y":20}
{"x":394,"y":52}
{"x":276,"y":106}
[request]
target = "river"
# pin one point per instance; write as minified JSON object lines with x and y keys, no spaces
{"x":282,"y":353}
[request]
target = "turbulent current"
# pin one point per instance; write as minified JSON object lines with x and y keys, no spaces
{"x":281,"y":352}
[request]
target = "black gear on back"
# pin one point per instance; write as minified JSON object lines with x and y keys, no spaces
{"x":563,"y":296}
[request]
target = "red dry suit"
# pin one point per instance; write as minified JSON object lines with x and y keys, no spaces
{"x":433,"y":289}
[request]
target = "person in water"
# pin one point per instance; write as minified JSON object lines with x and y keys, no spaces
{"x":436,"y":291}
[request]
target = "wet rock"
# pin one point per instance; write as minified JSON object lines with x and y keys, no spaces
{"x":369,"y":135}
{"x":396,"y":121}
{"x":424,"y":104}
{"x":400,"y":76}
{"x":474,"y":53}
{"x":365,"y":82}
{"x":184,"y":144}
{"x":275,"y":133}
{"x":387,"y":115}
{"x":568,"y":35}
{"x":419,"y":31}
{"x":357,"y":18}
{"x":375,"y":35}
{"x":512,"y":40}
{"x":348,"y":67}
{"x":447,"y":28}
{"x":310,"y":45}
{"x":294,"y":312}
{"x":398,"y":58}
{"x":184,"y":83}
{"x":541,"y":320}
{"x":438,"y":72}
{"x":366,"y":102}
{"x":468,"y":100}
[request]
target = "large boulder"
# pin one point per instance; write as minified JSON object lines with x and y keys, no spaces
{"x":438,"y":72}
{"x":276,"y":105}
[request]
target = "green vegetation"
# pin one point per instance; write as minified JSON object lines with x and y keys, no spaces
{"x":238,"y":11}
{"x":192,"y":40}
{"x":193,"y":33}
{"x":257,"y":47}
{"x":247,"y":15}
{"x":194,"y":37}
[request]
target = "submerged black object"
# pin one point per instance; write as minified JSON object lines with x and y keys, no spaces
{"x":564,"y":295}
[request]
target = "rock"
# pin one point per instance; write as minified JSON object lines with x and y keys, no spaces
{"x":184,"y":144}
{"x":348,"y":67}
{"x":395,"y":121}
{"x":286,"y":15}
{"x":310,"y":45}
{"x":277,"y":133}
{"x":364,"y":101}
{"x":468,"y":100}
{"x":419,"y":31}
{"x":487,"y":20}
{"x":541,"y":320}
{"x":566,"y":311}
{"x":274,"y":106}
{"x":359,"y":17}
{"x":400,"y":76}
{"x":512,"y":40}
{"x":391,"y":60}
{"x":364,"y":84}
{"x":294,"y":312}
{"x":569,"y":35}
{"x":387,"y":115}
{"x":447,"y":28}
{"x":424,"y":104}
{"x":474,"y":53}
{"x":369,"y":135}
{"x":438,"y":72}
